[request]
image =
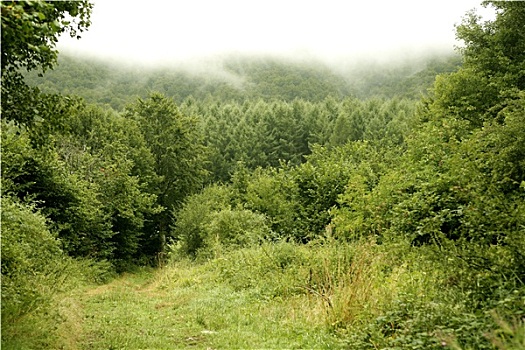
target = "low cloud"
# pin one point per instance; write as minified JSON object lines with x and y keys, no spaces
{"x":166,"y":32}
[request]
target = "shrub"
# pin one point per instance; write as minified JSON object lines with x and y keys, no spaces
{"x":269,"y":270}
{"x":34,"y":272}
{"x":272,"y":193}
{"x":32,"y":261}
{"x":231,"y":229}
{"x":189,"y":231}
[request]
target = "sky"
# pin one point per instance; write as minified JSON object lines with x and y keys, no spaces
{"x":162,"y":31}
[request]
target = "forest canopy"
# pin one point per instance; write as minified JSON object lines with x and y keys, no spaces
{"x":243,"y":78}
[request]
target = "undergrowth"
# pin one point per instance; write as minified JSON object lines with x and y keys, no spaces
{"x":36,"y":279}
{"x":326,"y":294}
{"x":391,"y":296}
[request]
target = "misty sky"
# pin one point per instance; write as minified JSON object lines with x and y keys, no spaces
{"x":170,"y":30}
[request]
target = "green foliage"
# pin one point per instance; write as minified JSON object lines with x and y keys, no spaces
{"x":30,"y":31}
{"x":38,"y":175}
{"x":110,"y":153}
{"x":175,"y":143}
{"x":322,"y":180}
{"x":386,"y":223}
{"x":272,"y":193}
{"x":510,"y":335}
{"x":271,"y":78}
{"x":242,"y":79}
{"x":410,"y":78}
{"x":206,"y":312}
{"x":178,"y":157}
{"x":189,"y":228}
{"x":257,"y":133}
{"x":31,"y":260}
{"x":370,"y":296}
{"x":465,"y":95}
{"x":444,"y":196}
{"x":492,"y":72}
{"x":93,"y":185}
{"x":269,"y":270}
{"x":35,"y":271}
{"x":234,"y":228}
{"x":262,"y":134}
{"x":208,"y":226}
{"x":496,"y":48}
{"x":501,"y":148}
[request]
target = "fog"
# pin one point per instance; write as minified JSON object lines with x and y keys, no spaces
{"x":160,"y":32}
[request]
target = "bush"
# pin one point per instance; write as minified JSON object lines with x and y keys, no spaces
{"x":232,"y":229}
{"x":269,"y":270}
{"x":189,"y":229}
{"x":32,"y":261}
{"x":272,"y":193}
{"x":34,"y":271}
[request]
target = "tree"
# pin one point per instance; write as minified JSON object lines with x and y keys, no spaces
{"x":493,"y":68}
{"x":496,"y":48}
{"x":179,"y":157}
{"x":30,"y":31}
{"x":109,"y":152}
{"x":86,"y":184}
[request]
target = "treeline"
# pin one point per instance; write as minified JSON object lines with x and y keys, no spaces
{"x":264,"y":134}
{"x":242,"y":79}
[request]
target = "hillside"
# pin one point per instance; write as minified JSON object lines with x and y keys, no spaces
{"x":242,"y":78}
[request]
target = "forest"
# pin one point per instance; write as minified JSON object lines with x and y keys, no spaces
{"x":269,"y":203}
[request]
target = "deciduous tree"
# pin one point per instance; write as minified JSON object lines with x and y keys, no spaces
{"x":179,"y":156}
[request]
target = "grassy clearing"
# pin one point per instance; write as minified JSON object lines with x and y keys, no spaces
{"x":322,"y":296}
{"x":271,"y":296}
{"x":184,"y":307}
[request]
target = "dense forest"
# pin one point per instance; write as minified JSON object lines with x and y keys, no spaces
{"x":243,"y":78}
{"x":393,"y":195}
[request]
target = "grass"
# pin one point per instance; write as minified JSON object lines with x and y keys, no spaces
{"x":322,"y":296}
{"x":273,"y":296}
{"x":185,"y":307}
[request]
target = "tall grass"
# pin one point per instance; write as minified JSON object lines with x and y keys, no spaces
{"x":372,"y":296}
{"x":343,"y":283}
{"x":52,"y":319}
{"x":327,"y":294}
